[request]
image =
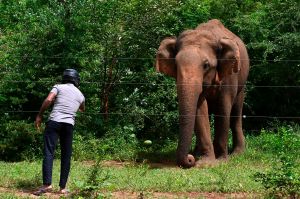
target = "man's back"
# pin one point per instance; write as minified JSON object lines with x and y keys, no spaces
{"x":67,"y":102}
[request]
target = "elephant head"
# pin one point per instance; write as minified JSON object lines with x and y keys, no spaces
{"x":196,"y":59}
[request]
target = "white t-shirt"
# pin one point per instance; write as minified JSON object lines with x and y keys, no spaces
{"x":67,"y":102}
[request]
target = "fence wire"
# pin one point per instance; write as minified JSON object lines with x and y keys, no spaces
{"x":153,"y":84}
{"x":145,"y":58}
{"x":164,"y":114}
{"x":146,"y":84}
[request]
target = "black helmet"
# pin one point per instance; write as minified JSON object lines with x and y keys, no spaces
{"x":71,"y":76}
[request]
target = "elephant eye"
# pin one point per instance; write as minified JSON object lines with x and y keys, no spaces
{"x":206,"y":65}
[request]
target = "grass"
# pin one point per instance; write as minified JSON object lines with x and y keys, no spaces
{"x":235,"y":175}
{"x":232,"y":176}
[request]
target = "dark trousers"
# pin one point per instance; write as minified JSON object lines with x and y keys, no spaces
{"x":64,"y":132}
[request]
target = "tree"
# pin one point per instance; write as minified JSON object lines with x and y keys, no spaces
{"x":273,"y":39}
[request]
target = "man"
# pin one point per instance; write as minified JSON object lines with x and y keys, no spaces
{"x":67,"y":99}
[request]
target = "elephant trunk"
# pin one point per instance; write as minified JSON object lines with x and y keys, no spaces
{"x":188,"y":95}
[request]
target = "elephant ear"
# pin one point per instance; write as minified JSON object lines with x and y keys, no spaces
{"x":165,"y":57}
{"x":229,"y":58}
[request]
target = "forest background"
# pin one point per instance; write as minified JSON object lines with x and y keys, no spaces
{"x":112,"y":43}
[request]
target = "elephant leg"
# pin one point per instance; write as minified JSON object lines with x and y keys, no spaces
{"x":238,"y":137}
{"x":204,"y":146}
{"x":222,"y":123}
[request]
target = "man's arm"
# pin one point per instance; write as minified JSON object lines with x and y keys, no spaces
{"x":47,"y":102}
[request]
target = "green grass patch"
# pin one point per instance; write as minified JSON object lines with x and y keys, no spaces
{"x":245,"y":173}
{"x":232,"y":176}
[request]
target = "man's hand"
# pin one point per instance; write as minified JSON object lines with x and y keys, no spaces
{"x":82,"y":107}
{"x":38,"y":121}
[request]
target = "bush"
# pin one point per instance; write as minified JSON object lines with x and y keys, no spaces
{"x":19,"y":140}
{"x":283,"y":180}
{"x":118,"y":143}
{"x":96,"y":179}
{"x":283,"y":138}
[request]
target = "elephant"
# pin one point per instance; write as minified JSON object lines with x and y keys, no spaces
{"x":211,"y":66}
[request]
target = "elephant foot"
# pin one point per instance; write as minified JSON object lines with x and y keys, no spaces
{"x":196,"y":153}
{"x":222,"y":156}
{"x":221,"y":152}
{"x":206,"y":162}
{"x":204,"y":153}
{"x":238,"y":150}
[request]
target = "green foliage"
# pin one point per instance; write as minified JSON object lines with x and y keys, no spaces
{"x":119,"y":143}
{"x":283,"y":180}
{"x":151,"y":107}
{"x":284,"y":138}
{"x":113,"y":43}
{"x":272,"y":37}
{"x":192,"y":12}
{"x":19,"y":141}
{"x":96,"y":180}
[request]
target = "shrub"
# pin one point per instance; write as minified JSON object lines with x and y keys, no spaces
{"x":97,"y":178}
{"x":118,"y":143}
{"x":19,"y":140}
{"x":283,"y":180}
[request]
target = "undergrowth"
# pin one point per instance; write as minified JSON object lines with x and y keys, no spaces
{"x":282,"y":180}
